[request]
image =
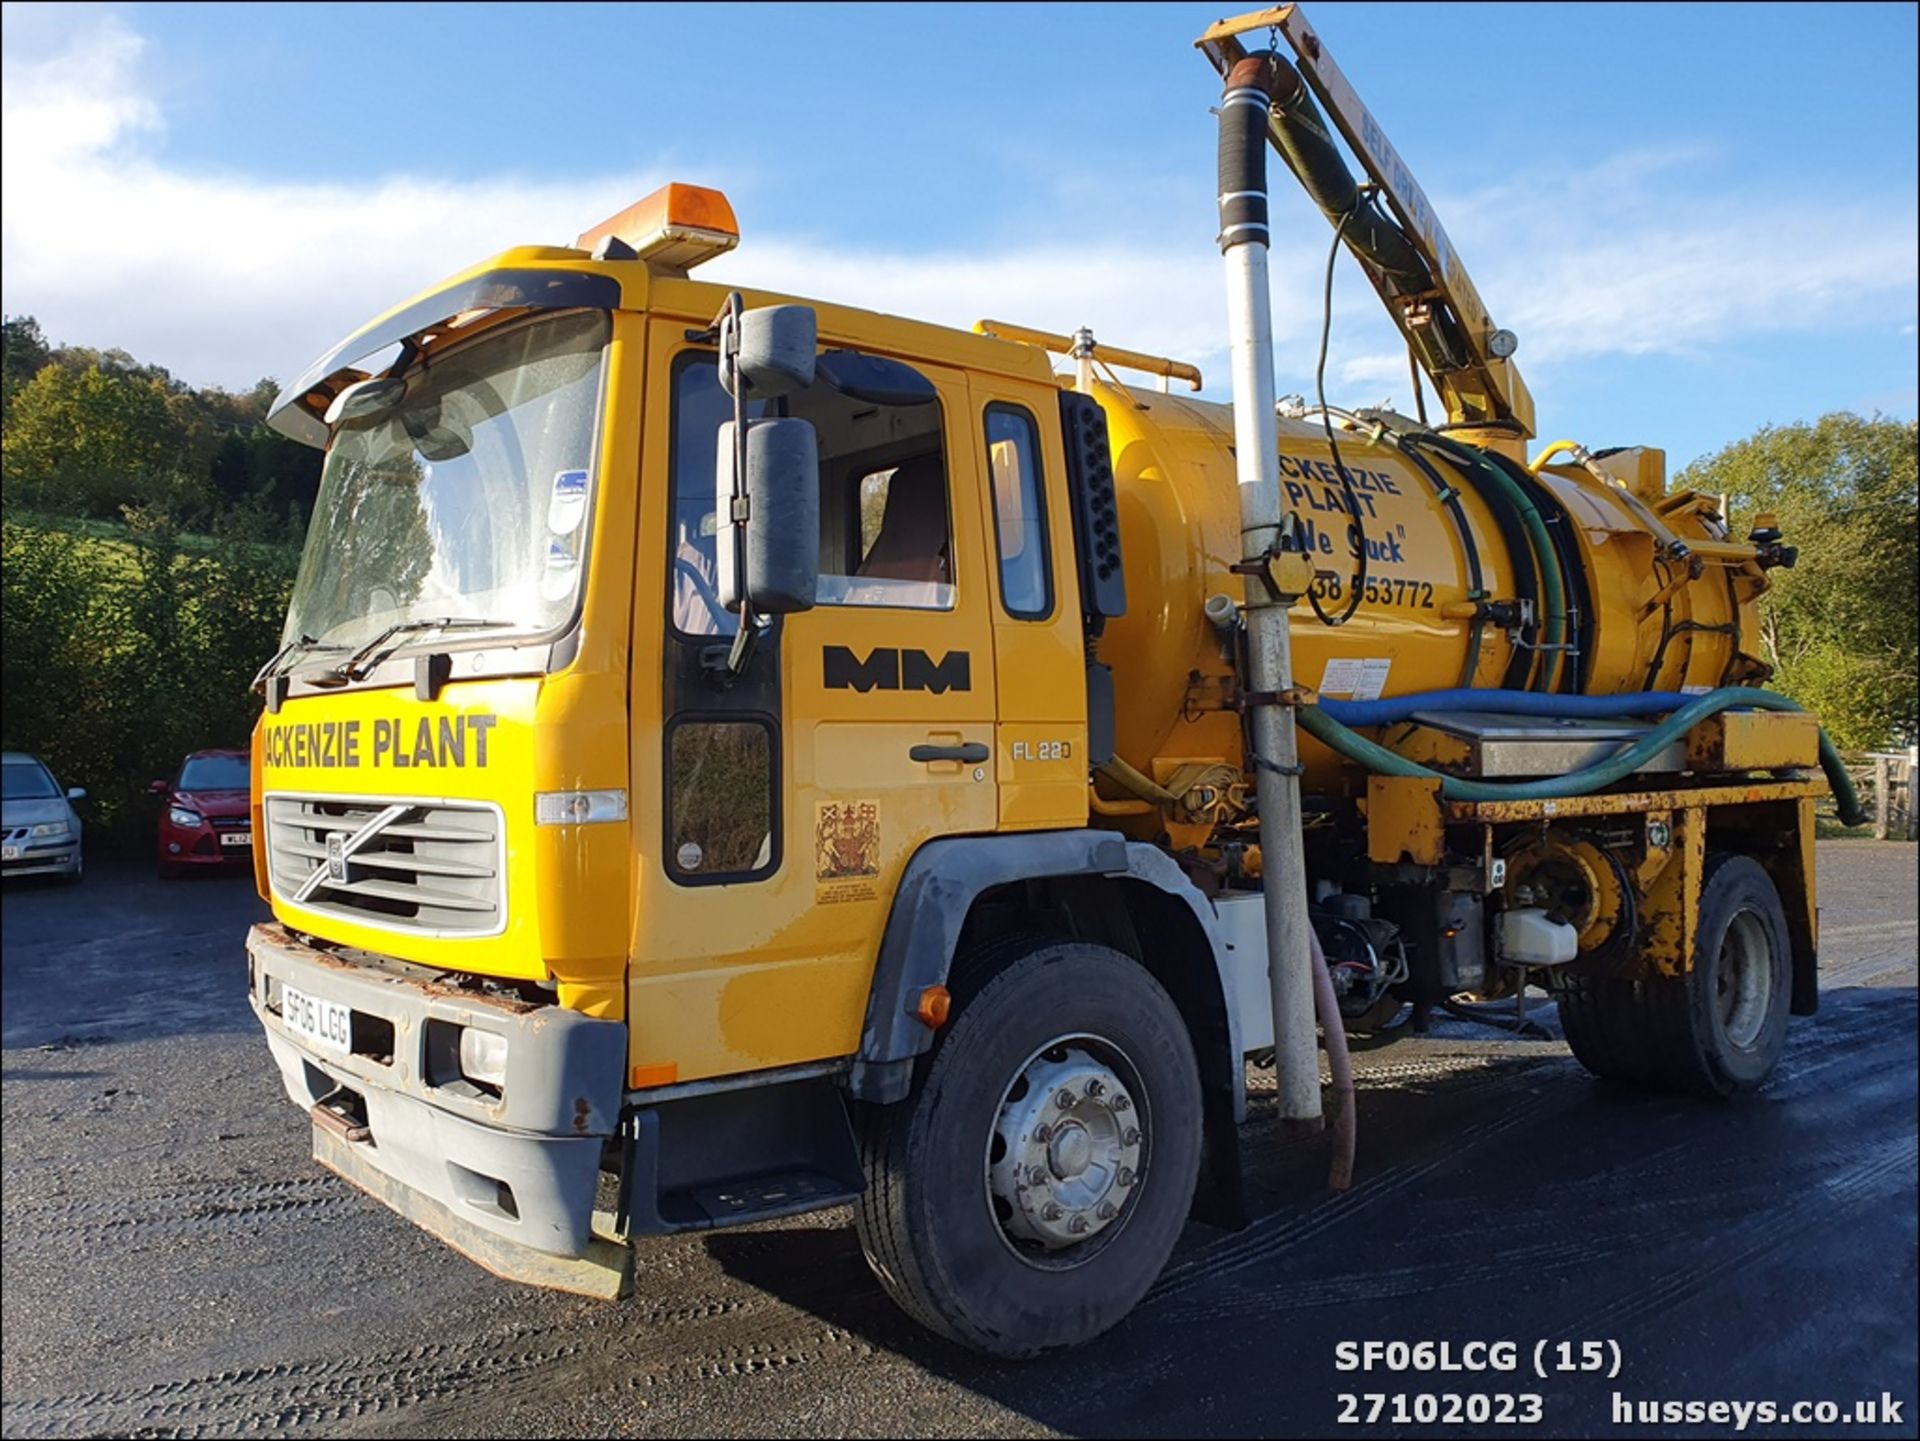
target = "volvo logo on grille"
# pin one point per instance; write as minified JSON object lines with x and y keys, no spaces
{"x":333,"y":870}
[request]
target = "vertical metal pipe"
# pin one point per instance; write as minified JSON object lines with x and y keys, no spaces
{"x":1243,"y":243}
{"x":1083,"y":360}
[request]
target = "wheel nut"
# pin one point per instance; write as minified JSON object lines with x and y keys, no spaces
{"x":1078,"y":1225}
{"x":1037,"y":1176}
{"x":1122,"y":1102}
{"x":1051,"y":1211}
{"x":1064,"y":1100}
{"x":1095,"y":1089}
{"x":1132,"y":1137}
{"x":1043,"y":1134}
{"x":1125,"y":1178}
{"x":1108,"y":1210}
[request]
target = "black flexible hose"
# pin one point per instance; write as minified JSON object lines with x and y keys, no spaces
{"x":1357,"y":533}
{"x":1470,"y":552}
{"x":1242,"y":156}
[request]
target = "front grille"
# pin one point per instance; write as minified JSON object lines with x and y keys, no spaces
{"x":435,"y":867}
{"x":230,"y":823}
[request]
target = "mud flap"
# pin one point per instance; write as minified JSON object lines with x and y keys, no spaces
{"x":605,"y":1272}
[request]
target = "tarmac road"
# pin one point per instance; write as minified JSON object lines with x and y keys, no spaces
{"x":175,"y":1264}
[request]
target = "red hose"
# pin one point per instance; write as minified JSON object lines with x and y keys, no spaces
{"x":1340,"y":1102}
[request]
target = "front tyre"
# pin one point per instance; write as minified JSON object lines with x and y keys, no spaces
{"x":1030,"y":1190}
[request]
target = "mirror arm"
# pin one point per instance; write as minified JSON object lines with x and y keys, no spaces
{"x":727,"y":328}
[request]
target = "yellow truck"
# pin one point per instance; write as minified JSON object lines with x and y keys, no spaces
{"x":734,"y":755}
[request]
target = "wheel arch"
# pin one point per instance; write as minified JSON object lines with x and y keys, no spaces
{"x":1086,"y":885}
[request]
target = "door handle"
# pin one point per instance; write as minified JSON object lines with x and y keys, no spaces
{"x":972,"y":753}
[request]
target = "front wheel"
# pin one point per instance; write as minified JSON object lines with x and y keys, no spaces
{"x":1030,"y":1190}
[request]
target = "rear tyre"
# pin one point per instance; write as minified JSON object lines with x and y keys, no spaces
{"x":1719,"y":1029}
{"x":1030,"y":1190}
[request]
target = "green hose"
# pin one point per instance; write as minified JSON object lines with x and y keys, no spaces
{"x":1358,"y":749}
{"x":1552,"y":583}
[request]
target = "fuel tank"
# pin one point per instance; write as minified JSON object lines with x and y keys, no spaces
{"x":1658,"y":597}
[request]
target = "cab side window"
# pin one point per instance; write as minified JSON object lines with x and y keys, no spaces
{"x":699,"y":408}
{"x":886,"y":534}
{"x":1019,"y":512}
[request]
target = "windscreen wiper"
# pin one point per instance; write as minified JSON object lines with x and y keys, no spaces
{"x":286,"y":653}
{"x":362,"y":662}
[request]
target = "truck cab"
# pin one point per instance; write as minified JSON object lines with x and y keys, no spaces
{"x":559,"y":878}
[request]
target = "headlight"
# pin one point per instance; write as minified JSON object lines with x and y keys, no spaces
{"x":189,"y":819}
{"x":52,"y":830}
{"x":483,"y":1056}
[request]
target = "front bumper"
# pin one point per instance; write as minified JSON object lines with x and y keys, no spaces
{"x":508,"y":1179}
{"x":201,"y":848}
{"x":61,"y":858}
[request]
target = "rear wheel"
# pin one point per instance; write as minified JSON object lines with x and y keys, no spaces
{"x":1721,"y":1027}
{"x":1030,"y":1190}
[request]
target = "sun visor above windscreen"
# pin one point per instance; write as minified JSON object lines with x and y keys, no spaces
{"x":297,"y":410}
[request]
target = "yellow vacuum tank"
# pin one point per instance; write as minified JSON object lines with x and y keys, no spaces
{"x":1660,"y":599}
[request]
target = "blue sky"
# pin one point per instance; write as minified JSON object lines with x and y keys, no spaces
{"x":1698,"y":219}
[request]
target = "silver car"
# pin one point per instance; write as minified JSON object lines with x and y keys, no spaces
{"x":39,"y":831}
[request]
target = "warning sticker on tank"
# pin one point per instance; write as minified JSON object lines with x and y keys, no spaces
{"x":846,"y":850}
{"x":1355,"y":679}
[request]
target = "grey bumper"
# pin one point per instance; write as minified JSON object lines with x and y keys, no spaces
{"x":476,"y":1169}
{"x":58,"y":859}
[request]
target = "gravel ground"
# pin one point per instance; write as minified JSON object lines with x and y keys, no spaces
{"x":175,"y":1264}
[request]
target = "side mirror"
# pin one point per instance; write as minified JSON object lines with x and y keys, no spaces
{"x":76,"y":793}
{"x":159,"y":788}
{"x":781,"y":532}
{"x":365,"y":399}
{"x":775,"y":354}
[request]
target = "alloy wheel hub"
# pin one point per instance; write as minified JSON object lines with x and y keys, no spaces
{"x":1070,"y":1139}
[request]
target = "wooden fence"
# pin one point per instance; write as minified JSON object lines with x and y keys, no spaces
{"x":1884,"y":780}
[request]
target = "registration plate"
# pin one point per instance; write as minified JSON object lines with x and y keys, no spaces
{"x":325,"y":1023}
{"x":237,"y":838}
{"x":9,"y":853}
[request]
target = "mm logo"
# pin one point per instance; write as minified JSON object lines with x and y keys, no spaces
{"x":890,"y":669}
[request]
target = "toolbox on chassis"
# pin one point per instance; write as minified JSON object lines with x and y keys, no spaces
{"x":733,"y":756}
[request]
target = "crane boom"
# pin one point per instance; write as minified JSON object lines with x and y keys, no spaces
{"x":1405,"y":252}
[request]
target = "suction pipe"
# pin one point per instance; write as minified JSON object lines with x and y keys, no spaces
{"x":1244,"y":241}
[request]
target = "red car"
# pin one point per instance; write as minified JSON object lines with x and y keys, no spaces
{"x":206,"y":822}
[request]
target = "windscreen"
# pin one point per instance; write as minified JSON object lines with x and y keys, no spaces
{"x":26,"y":781}
{"x":214,"y":773}
{"x":468,"y":497}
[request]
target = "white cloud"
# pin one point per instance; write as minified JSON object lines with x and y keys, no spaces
{"x":223,"y":277}
{"x":1644,"y":254}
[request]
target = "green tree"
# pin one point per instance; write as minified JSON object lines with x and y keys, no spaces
{"x":93,"y":441}
{"x":25,"y":354}
{"x":1840,"y":627}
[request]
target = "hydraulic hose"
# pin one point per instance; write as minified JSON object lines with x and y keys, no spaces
{"x":1343,"y":1120}
{"x":1506,"y":702}
{"x":1546,"y":558}
{"x":1363,"y":752}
